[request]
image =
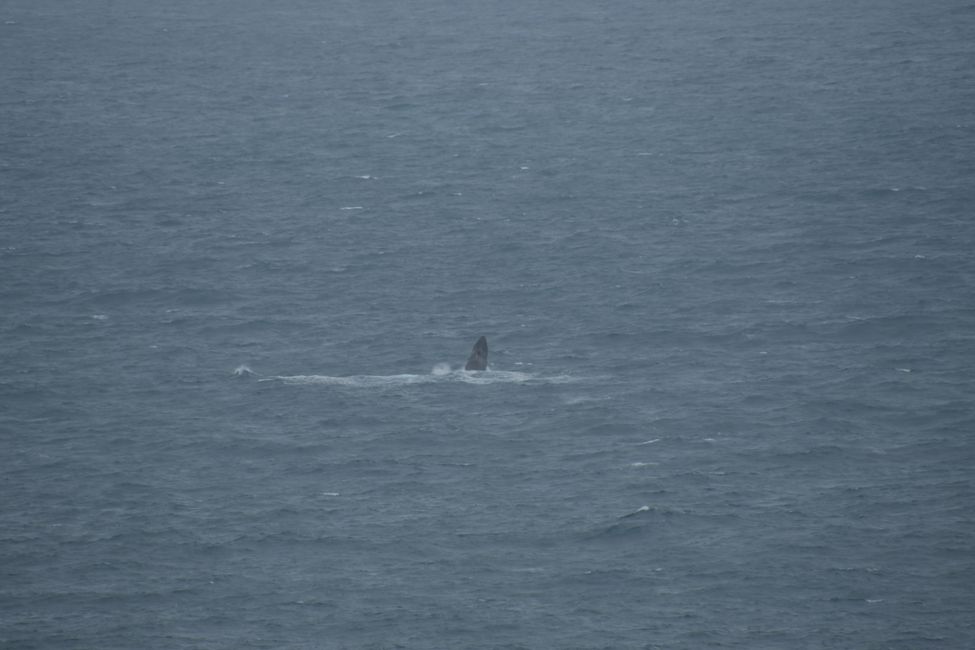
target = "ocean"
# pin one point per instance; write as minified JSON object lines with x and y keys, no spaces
{"x":722,"y":254}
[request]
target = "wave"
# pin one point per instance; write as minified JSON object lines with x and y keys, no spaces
{"x":439,"y":374}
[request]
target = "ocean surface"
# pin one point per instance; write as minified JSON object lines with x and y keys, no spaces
{"x":723,"y":254}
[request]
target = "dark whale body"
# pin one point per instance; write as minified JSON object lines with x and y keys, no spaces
{"x":478,"y":358}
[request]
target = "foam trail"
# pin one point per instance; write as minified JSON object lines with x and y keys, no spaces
{"x":352,"y":380}
{"x":441,"y":373}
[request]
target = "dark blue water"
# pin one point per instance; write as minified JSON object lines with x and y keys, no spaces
{"x":722,"y":253}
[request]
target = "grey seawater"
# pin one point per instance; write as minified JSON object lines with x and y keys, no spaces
{"x":722,"y":254}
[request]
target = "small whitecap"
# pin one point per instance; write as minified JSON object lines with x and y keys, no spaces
{"x":351,"y":207}
{"x":330,"y":494}
{"x":99,"y":316}
{"x":903,"y":370}
{"x":649,"y":442}
{"x":243,"y":371}
{"x":638,"y":511}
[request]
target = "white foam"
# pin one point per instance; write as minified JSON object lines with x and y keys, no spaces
{"x":441,"y":374}
{"x":352,"y":380}
{"x":638,"y":511}
{"x":242,"y":371}
{"x":492,"y":377}
{"x":572,"y":400}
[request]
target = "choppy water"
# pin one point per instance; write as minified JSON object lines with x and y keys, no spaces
{"x":722,"y":254}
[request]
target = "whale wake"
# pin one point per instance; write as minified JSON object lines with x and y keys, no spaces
{"x":438,"y":376}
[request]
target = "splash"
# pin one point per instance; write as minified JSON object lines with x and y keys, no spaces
{"x":243,"y":371}
{"x":441,"y":370}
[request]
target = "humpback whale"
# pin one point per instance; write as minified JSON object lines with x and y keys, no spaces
{"x":478,"y":358}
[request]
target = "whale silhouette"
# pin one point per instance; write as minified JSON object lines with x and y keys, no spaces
{"x":478,"y":358}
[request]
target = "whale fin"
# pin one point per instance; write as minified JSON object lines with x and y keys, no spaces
{"x":478,"y":358}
